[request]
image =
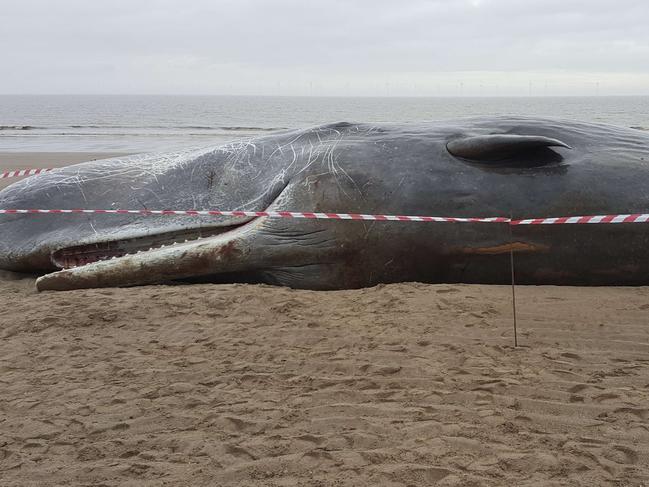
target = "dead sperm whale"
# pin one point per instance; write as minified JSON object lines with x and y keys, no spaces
{"x":478,"y":167}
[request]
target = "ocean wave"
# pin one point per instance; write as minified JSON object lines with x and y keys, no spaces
{"x":177,"y":127}
{"x":637,"y":127}
{"x":116,"y":134}
{"x":257,"y":129}
{"x":18,"y":127}
{"x":131,"y":129}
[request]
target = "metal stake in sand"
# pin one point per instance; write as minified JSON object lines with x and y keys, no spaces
{"x":511,"y":266}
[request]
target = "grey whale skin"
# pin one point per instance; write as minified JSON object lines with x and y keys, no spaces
{"x":475,"y":167}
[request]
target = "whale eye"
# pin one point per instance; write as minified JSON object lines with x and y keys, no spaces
{"x":507,"y":149}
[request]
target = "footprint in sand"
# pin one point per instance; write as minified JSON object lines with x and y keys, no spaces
{"x":89,"y":453}
{"x":591,"y":441}
{"x":571,"y":355}
{"x":638,"y":412}
{"x":621,"y":454}
{"x":578,"y":388}
{"x":312,"y":438}
{"x":239,"y":452}
{"x":447,"y":290}
{"x":606,"y":396}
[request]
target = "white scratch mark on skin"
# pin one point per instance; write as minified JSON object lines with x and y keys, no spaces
{"x":310,"y":160}
{"x":191,"y":175}
{"x":155,"y":195}
{"x":83,"y":194}
{"x":294,"y":155}
{"x":335,"y":167}
{"x":369,"y":229}
{"x":287,"y":144}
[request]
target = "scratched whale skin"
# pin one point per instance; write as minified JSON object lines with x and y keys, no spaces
{"x":474,"y":167}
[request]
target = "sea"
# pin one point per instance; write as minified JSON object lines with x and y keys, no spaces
{"x":115,"y":123}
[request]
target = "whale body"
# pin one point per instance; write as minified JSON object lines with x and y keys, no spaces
{"x":474,"y":167}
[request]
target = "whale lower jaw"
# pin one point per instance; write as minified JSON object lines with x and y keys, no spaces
{"x":148,"y":260}
{"x":80,"y":255}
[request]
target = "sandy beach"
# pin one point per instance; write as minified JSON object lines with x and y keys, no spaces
{"x":396,"y":385}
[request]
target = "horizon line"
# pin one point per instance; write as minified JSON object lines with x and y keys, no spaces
{"x":332,"y":96}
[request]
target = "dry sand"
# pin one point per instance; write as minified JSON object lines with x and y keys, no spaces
{"x":405,"y":384}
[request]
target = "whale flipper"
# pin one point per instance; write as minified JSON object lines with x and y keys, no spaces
{"x":498,"y":148}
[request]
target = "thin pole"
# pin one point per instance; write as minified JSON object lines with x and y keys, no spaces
{"x":511,"y":266}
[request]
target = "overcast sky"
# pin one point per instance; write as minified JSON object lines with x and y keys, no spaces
{"x":325,"y":47}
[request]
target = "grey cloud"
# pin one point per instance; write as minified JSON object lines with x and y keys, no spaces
{"x":164,"y":45}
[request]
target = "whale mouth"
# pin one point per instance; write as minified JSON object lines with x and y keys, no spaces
{"x":81,"y":255}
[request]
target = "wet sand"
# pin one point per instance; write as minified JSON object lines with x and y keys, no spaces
{"x":397,"y":385}
{"x":11,"y":161}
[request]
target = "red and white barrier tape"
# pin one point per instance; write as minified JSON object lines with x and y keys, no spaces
{"x":24,"y":172}
{"x":632,"y":218}
{"x":625,"y":218}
